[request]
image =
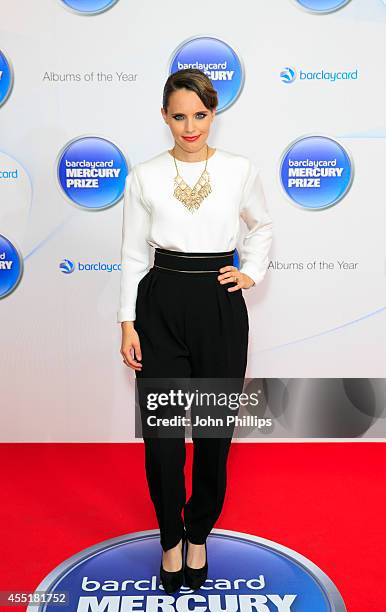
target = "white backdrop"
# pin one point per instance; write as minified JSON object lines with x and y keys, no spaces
{"x":62,"y":376}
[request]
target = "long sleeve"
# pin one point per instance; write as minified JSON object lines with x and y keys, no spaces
{"x":257,"y":242}
{"x":135,"y":250}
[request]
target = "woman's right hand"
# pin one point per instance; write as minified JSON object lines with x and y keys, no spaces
{"x":130,"y":341}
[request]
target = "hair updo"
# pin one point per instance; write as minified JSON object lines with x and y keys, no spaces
{"x":194,"y":80}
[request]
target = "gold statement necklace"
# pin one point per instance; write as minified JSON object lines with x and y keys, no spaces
{"x":192,"y":198}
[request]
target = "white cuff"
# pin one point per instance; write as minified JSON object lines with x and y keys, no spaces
{"x":125,"y":315}
{"x":254,"y":274}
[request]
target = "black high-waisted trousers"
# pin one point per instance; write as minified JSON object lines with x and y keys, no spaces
{"x":189,"y":325}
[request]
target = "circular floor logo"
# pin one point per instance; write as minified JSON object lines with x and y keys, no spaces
{"x":245,"y":573}
{"x":11,"y":267}
{"x":218,"y":61}
{"x":92,"y":172}
{"x":6,"y":78}
{"x":89,"y":7}
{"x":322,"y":6}
{"x":316,"y":172}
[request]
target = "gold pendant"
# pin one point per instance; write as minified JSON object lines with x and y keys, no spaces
{"x":192,"y":198}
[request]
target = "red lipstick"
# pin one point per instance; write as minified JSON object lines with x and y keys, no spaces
{"x":191,"y":138}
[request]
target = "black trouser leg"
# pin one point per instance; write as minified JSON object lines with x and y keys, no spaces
{"x":189,"y":326}
{"x":163,"y":355}
{"x":218,"y":343}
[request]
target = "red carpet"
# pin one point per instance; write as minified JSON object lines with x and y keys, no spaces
{"x":324,"y":500}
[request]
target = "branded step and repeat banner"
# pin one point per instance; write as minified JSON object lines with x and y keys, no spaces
{"x":300,"y":93}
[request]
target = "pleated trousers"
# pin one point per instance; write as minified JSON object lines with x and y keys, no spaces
{"x":189,"y":326}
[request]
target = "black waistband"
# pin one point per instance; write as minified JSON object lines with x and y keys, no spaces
{"x":192,"y":261}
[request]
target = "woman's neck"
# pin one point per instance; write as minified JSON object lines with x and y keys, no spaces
{"x":197,"y":156}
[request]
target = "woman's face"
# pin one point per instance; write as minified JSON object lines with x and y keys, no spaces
{"x":188,"y":116}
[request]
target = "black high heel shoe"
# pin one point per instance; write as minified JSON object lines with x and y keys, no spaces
{"x":195,"y":577}
{"x":173,"y":581}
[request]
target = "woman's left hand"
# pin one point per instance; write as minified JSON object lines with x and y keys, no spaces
{"x":230,"y":274}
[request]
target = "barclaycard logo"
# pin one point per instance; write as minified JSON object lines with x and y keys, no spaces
{"x":67,"y":266}
{"x":289,"y":75}
{"x":246,"y":574}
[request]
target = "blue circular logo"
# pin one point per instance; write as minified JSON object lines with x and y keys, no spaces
{"x":66,"y":266}
{"x":11,"y":267}
{"x":92,"y":172}
{"x":322,"y":6}
{"x":288,"y":74}
{"x":6,"y":78}
{"x":89,"y":7}
{"x":316,"y":172}
{"x":245,"y":573}
{"x":218,"y":61}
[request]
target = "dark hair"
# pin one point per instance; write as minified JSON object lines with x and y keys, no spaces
{"x":194,"y":80}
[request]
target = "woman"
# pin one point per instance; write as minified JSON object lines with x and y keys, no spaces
{"x":186,"y":316}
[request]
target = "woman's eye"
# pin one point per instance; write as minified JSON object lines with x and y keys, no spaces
{"x":201,"y":115}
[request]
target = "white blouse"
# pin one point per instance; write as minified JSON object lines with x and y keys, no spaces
{"x":153,"y":217}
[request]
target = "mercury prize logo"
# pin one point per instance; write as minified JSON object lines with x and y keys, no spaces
{"x":245,"y":573}
{"x":218,"y":61}
{"x":11,"y":267}
{"x":316,"y":172}
{"x":89,"y":7}
{"x":322,"y":6}
{"x":92,"y":172}
{"x":6,"y":78}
